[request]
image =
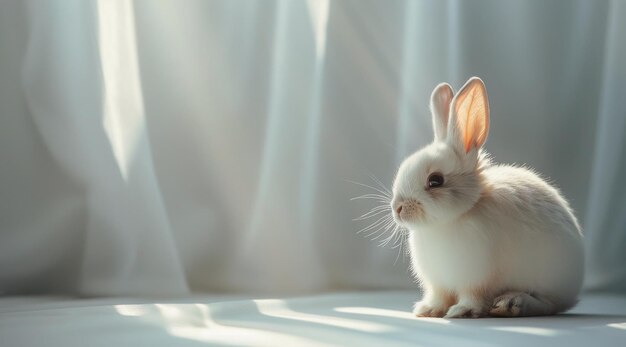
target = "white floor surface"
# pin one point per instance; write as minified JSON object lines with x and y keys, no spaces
{"x":339,"y":319}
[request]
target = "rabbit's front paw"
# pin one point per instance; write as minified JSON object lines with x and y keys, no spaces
{"x":426,"y":309}
{"x":465,"y":311}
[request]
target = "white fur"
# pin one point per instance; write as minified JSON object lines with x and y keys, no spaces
{"x":497,"y":235}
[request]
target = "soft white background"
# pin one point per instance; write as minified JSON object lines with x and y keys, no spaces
{"x":163,"y":147}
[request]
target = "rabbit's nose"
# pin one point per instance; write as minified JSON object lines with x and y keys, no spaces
{"x":399,"y":209}
{"x":397,"y":206}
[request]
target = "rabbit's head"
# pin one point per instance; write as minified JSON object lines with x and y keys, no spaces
{"x":442,"y":181}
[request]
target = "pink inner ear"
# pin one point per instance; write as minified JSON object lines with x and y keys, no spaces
{"x":473,"y":116}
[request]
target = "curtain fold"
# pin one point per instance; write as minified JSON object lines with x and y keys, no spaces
{"x":161,"y":148}
{"x":606,"y":209}
{"x":81,"y":86}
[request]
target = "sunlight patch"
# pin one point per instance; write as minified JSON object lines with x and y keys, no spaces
{"x":618,"y":325}
{"x":318,"y":10}
{"x":370,"y":311}
{"x":195,"y":322}
{"x":278,"y":309}
{"x":123,"y":110}
{"x":131,"y":310}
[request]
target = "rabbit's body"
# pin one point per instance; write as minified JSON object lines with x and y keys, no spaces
{"x":484,"y":239}
{"x":492,"y":251}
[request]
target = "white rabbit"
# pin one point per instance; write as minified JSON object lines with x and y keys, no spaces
{"x":484,"y":239}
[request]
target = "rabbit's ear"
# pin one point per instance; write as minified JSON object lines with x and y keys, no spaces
{"x":469,"y":117}
{"x":440,"y":108}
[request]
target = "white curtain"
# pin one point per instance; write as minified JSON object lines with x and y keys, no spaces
{"x":164,"y":147}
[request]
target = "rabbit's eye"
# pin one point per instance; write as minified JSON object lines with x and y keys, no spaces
{"x":435,"y":180}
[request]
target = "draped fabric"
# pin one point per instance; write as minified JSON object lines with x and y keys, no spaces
{"x":160,"y":148}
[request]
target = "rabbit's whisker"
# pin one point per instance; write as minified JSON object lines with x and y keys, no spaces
{"x":370,"y":187}
{"x":382,"y":199}
{"x":374,"y":212}
{"x":379,"y":222}
{"x":382,"y":186}
{"x":383,"y":230}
